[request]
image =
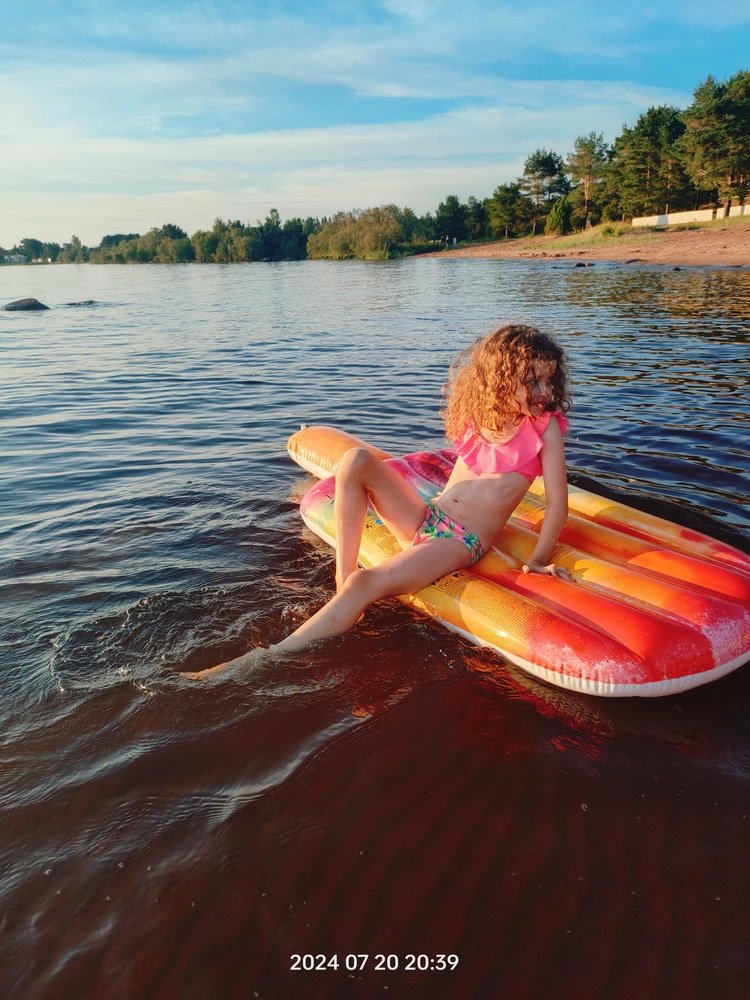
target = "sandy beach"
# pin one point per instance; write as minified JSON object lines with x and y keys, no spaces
{"x":726,"y":245}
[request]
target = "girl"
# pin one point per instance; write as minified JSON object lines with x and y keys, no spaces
{"x":506,"y":397}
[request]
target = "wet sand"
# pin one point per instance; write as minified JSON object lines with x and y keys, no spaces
{"x":723,"y":246}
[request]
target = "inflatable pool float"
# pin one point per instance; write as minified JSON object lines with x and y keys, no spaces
{"x":655,"y":608}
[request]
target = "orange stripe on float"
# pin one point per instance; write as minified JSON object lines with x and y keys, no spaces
{"x":637,"y":523}
{"x":527,"y":630}
{"x":617,"y":547}
{"x":671,"y":648}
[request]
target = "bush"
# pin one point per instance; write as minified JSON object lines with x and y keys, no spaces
{"x":610,"y":232}
{"x":558,"y":220}
{"x":372,"y":234}
{"x":611,"y":212}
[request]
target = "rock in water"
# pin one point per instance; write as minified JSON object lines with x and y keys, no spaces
{"x":21,"y":305}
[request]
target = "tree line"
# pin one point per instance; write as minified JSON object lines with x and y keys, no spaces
{"x":669,"y":160}
{"x":170,"y":244}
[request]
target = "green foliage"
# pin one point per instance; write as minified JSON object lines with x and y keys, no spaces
{"x":30,"y":248}
{"x":204,"y":245}
{"x":112,"y":241}
{"x":558,"y":220}
{"x":174,"y":251}
{"x":372,"y":234}
{"x":586,"y":166}
{"x":646,"y":175}
{"x":476,"y":218}
{"x":451,"y":220}
{"x":425,"y":229}
{"x":508,"y":211}
{"x":226,"y":242}
{"x":167,"y":244}
{"x":334,"y":239}
{"x":411,"y":225}
{"x":295,"y":233}
{"x":612,"y":231}
{"x":377,"y":234}
{"x":172,"y":232}
{"x":543,"y":181}
{"x":73,"y":252}
{"x":611,"y":212}
{"x":716,"y":143}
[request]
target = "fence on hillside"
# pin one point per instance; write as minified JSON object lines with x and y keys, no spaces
{"x":701,"y":215}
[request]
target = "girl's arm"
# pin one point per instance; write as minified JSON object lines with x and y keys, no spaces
{"x":556,"y":491}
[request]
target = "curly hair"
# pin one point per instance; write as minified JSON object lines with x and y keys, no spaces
{"x":483,"y":380}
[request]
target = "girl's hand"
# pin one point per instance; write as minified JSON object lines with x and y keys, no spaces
{"x":550,"y":570}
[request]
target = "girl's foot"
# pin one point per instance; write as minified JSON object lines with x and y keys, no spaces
{"x":239,"y":667}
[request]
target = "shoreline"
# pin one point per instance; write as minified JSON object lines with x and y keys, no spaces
{"x":724,"y":243}
{"x":715,"y":245}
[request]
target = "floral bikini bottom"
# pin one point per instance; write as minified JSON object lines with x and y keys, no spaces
{"x":437,"y":524}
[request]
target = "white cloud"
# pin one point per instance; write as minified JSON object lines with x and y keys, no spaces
{"x":132,"y":184}
{"x":295,"y":192}
{"x":92,"y":95}
{"x":201,"y":60}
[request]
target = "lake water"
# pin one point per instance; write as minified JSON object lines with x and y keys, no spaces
{"x":395,"y":792}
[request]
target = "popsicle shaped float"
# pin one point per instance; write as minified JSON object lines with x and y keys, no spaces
{"x":654,"y":608}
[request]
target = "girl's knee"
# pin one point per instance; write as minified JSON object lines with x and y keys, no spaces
{"x":356,"y":581}
{"x":363,"y":584}
{"x":354,"y":462}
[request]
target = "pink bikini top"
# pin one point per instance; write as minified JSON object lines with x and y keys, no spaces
{"x":519,"y":453}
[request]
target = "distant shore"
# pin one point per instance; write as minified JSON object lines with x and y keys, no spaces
{"x":723,"y":244}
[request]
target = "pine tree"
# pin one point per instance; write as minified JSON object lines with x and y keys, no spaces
{"x":476,"y":219}
{"x":716,"y":143}
{"x":508,"y":210}
{"x":558,"y":220}
{"x":450,"y":219}
{"x":646,"y":175}
{"x":586,"y":166}
{"x":543,"y":180}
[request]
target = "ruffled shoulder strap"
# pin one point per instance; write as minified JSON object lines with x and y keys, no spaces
{"x":542,"y":423}
{"x":516,"y":453}
{"x":508,"y":456}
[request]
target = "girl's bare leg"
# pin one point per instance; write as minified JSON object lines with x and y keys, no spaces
{"x":360,"y":478}
{"x":404,"y":573}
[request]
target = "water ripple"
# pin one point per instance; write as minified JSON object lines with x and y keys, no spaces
{"x":149,"y":525}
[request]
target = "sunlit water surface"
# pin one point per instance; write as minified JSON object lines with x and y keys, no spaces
{"x":395,"y":791}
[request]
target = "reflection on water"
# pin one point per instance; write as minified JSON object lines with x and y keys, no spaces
{"x":656,"y":297}
{"x":393,"y":789}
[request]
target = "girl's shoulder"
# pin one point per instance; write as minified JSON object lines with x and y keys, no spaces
{"x":542,"y":423}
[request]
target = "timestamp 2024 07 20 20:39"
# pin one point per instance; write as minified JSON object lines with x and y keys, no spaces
{"x":380,"y":963}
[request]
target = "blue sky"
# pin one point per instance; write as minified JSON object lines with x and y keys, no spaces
{"x":118,"y":116}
